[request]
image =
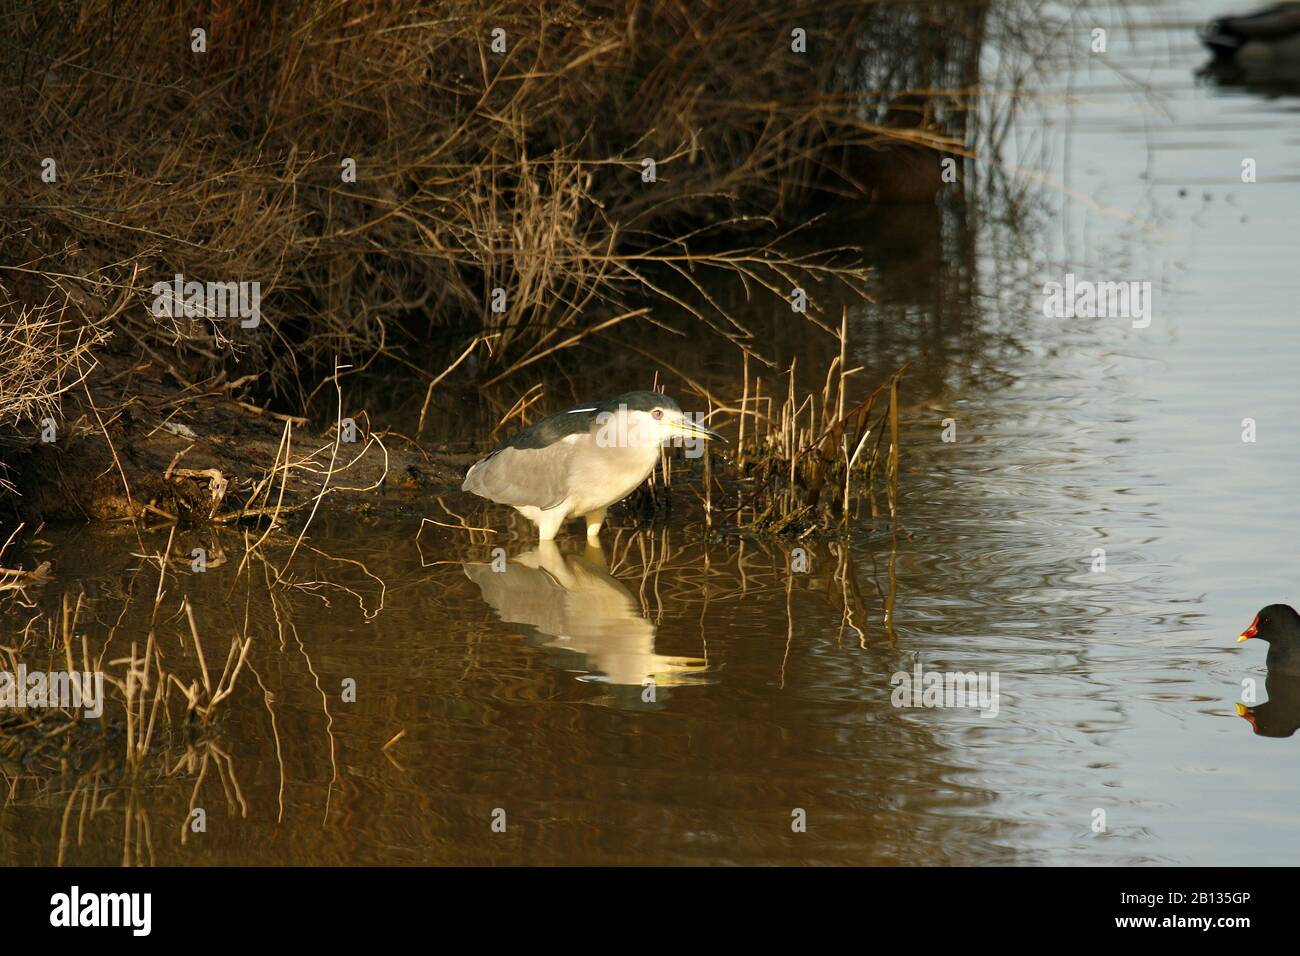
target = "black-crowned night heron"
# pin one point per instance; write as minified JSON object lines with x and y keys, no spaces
{"x":579,"y":462}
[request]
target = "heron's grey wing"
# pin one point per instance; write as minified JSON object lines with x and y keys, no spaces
{"x":539,"y":477}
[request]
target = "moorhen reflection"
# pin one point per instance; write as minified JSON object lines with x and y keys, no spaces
{"x":572,"y":603}
{"x":1279,"y":716}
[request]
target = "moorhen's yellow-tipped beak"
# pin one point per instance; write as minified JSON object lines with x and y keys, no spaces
{"x":1242,"y":711}
{"x":1249,"y":632}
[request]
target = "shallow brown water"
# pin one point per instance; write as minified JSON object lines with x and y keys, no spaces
{"x":523,"y":691}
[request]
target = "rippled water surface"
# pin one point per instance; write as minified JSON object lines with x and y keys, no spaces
{"x":522,"y":691}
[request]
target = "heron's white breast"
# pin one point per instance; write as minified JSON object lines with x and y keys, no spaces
{"x":602,"y":476}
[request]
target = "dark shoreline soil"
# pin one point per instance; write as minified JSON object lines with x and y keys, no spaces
{"x":133,"y":446}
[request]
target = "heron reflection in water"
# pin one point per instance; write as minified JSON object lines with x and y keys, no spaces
{"x":571,"y":603}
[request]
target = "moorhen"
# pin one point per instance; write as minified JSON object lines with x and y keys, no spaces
{"x":1264,"y":42}
{"x":1279,"y":624}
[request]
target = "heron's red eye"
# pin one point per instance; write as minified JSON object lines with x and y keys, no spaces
{"x":657,"y":414}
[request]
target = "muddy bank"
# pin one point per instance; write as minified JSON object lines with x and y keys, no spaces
{"x":131,"y":444}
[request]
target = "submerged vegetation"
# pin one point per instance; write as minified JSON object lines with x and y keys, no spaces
{"x":226,"y":691}
{"x":150,"y":708}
